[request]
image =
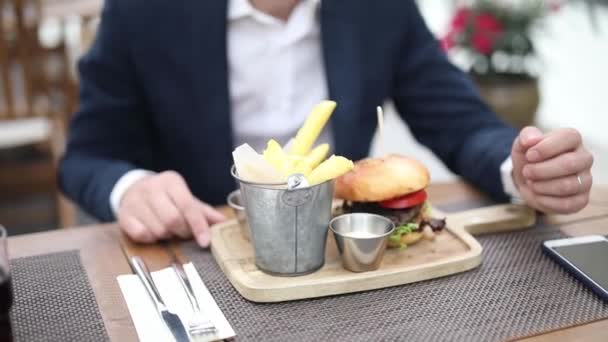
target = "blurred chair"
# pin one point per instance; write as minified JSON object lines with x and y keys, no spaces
{"x":37,"y":95}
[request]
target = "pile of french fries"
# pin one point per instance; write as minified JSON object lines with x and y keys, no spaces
{"x":300,"y":156}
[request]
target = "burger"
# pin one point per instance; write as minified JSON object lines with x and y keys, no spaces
{"x":392,"y":186}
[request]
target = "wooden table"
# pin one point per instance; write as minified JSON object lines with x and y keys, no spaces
{"x":103,"y":250}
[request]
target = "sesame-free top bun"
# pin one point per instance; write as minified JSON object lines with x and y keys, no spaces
{"x":379,"y":179}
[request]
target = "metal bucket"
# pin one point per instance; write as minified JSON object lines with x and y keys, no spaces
{"x":288,"y":227}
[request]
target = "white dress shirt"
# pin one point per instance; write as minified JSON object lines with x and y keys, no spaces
{"x":276,"y":75}
{"x":276,"y":72}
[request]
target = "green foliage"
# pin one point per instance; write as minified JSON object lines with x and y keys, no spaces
{"x":496,"y":35}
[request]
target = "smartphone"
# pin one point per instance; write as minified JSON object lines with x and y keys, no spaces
{"x":586,"y":257}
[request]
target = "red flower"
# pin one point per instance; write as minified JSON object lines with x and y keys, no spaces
{"x":458,"y":25}
{"x":482,"y":43}
{"x":486,"y":31}
{"x":461,"y":19}
{"x":486,"y":22}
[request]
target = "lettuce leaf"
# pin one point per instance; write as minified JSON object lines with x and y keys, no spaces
{"x":407,"y":228}
{"x":395,"y":237}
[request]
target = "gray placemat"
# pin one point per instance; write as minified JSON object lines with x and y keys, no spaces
{"x":517,"y":291}
{"x":53,"y":300}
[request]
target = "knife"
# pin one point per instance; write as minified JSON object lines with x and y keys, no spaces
{"x":172,"y":320}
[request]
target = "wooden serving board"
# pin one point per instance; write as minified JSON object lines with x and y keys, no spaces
{"x":454,"y":250}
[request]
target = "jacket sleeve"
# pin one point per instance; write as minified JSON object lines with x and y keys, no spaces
{"x":445,"y":113}
{"x":109,"y":134}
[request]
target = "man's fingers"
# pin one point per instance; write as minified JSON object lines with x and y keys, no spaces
{"x":165,"y":206}
{"x":564,"y":186}
{"x":213,"y":216}
{"x":518,"y":147}
{"x":194,"y":211}
{"x":198,"y":223}
{"x":530,"y":136}
{"x":178,"y":191}
{"x":562,"y":205}
{"x":189,"y":207}
{"x":557,"y":142}
{"x":169,"y":216}
{"x":200,"y":216}
{"x":150,"y":220}
{"x":136,"y":230}
{"x":518,"y":158}
{"x":567,"y":164}
{"x":527,"y":138}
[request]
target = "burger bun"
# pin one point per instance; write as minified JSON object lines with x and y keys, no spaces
{"x":379,"y":179}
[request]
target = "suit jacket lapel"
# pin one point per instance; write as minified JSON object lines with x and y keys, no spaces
{"x":208,"y":27}
{"x":343,"y":71}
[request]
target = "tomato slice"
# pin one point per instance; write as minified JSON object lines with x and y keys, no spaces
{"x":406,"y":201}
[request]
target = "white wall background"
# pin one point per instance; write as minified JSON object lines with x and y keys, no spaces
{"x":574,"y":85}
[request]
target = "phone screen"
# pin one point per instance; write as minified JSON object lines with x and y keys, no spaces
{"x":591,"y":258}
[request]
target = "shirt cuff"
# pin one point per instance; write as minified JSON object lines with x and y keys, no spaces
{"x":508,"y":184}
{"x":123,"y":184}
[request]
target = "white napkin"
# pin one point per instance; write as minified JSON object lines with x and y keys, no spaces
{"x":148,"y":323}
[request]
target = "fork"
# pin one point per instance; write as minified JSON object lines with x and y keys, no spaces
{"x":198,"y":324}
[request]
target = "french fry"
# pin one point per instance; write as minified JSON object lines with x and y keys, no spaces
{"x":285,"y":164}
{"x":302,"y":168}
{"x":333,"y":167}
{"x":276,"y":157}
{"x":316,"y":156}
{"x":309,"y":132}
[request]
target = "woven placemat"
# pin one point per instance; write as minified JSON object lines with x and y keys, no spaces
{"x":516,"y":292}
{"x":53,"y":300}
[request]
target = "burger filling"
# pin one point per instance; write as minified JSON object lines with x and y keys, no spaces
{"x":410,"y":214}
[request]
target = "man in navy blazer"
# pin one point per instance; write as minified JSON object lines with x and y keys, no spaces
{"x":156,"y":92}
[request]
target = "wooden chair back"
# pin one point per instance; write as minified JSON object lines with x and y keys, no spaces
{"x":35,"y":80}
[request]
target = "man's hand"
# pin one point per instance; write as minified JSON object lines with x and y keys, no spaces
{"x":552,"y":171}
{"x":161,"y":206}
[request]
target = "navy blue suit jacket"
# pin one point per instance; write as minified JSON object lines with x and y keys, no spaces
{"x":154,"y":95}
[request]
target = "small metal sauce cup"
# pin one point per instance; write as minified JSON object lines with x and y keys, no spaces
{"x":361,"y":239}
{"x":235,"y":201}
